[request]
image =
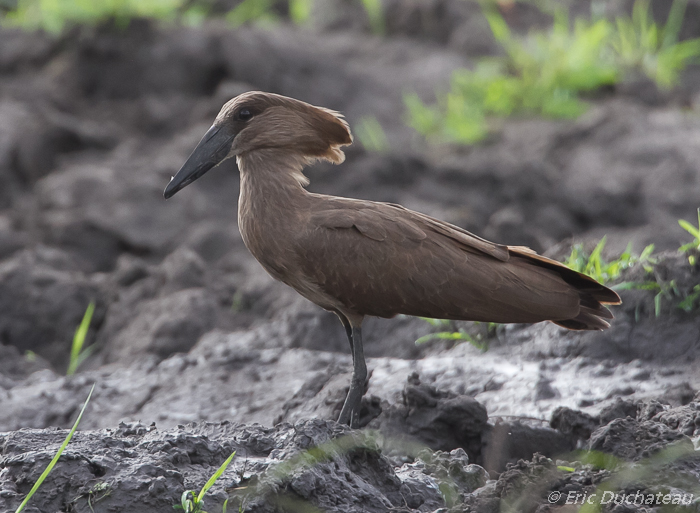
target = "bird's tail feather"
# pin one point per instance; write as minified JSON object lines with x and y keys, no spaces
{"x":593,"y":295}
{"x":587,"y":319}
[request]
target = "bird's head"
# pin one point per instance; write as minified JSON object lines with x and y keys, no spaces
{"x":255,"y":121}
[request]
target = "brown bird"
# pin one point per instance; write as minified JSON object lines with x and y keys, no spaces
{"x":358,"y":258}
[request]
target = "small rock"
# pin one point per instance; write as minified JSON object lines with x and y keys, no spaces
{"x":620,"y":409}
{"x":573,"y":422}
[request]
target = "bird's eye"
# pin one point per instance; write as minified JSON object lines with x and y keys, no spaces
{"x":245,"y":114}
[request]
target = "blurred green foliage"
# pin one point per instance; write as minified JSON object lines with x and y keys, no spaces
{"x":258,"y":11}
{"x":263,"y":12}
{"x":544,"y":72}
{"x":371,"y":135}
{"x":54,"y":15}
{"x":300,"y":10}
{"x":640,"y":43}
{"x":375,"y":15}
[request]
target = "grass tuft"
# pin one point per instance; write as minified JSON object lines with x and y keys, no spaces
{"x":666,"y":292}
{"x":191,"y":502}
{"x":595,"y":266}
{"x":640,"y":43}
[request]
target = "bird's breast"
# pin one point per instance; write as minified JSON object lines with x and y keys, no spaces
{"x":267,"y":245}
{"x":275,"y":247}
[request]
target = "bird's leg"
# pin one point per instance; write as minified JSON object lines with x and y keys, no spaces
{"x":350,"y":414}
{"x":348,"y":331}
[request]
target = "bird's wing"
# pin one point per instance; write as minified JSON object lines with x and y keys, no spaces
{"x":402,"y":222}
{"x":380,"y":259}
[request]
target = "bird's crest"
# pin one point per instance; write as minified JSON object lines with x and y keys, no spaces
{"x":314,"y":132}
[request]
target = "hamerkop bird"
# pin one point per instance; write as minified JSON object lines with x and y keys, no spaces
{"x":357,"y":258}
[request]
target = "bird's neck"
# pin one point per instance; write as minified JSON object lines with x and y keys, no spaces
{"x":272,"y":192}
{"x":271,"y":175}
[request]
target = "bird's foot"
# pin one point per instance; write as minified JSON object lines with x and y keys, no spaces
{"x":350,"y":414}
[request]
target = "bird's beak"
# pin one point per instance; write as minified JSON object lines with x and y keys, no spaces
{"x":211,"y":150}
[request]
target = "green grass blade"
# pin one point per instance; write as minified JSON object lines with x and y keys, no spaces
{"x":425,"y":338}
{"x":79,"y":339}
{"x":84,"y":355}
{"x":216,"y":476}
{"x":439,"y":323}
{"x":633,"y":285}
{"x":657,"y":304}
{"x":444,"y":335}
{"x":674,"y":23}
{"x":646,"y":253}
{"x":183,"y":500}
{"x":498,"y":26}
{"x":53,"y":462}
{"x":689,"y":228}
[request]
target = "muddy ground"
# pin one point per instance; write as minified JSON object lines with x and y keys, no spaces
{"x":200,"y":353}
